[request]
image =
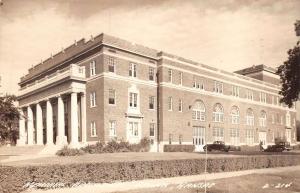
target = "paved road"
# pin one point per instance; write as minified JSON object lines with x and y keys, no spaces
{"x":151,"y":183}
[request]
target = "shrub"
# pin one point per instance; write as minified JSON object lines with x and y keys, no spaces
{"x":250,"y":148}
{"x":179,"y":148}
{"x":234,"y":148}
{"x":96,"y":148}
{"x":66,"y":151}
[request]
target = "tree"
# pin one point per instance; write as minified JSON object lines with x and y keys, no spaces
{"x":9,"y":116}
{"x":289,"y":74}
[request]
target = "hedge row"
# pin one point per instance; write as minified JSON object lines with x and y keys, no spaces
{"x":179,"y":148}
{"x":12,"y":179}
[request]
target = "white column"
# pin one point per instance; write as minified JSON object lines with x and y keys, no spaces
{"x":74,"y":119}
{"x":39,"y":125}
{"x":22,"y":134}
{"x":61,"y":139}
{"x":49,"y":123}
{"x":30,"y":125}
{"x":83,"y":117}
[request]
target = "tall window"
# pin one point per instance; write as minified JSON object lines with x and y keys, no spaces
{"x":234,"y":136}
{"x":273,"y":119}
{"x":194,"y":82}
{"x":180,"y":105}
{"x":198,"y":135}
{"x":249,"y":94}
{"x":132,"y":70}
{"x":218,"y":134}
{"x":151,"y":73}
{"x":249,"y":117}
{"x":263,"y":97}
{"x":170,"y":75}
{"x":235,"y":115}
{"x":133,"y":100}
{"x":170,"y":103}
{"x":198,"y":111}
{"x":288,"y":119}
{"x":111,"y":64}
{"x":263,"y":119}
{"x":112,"y":97}
{"x":152,"y":130}
{"x":112,"y":129}
{"x":235,"y":91}
{"x":249,"y":136}
{"x":92,"y":99}
{"x":93,"y":129}
{"x":151,"y":102}
{"x":218,"y":87}
{"x":92,"y":68}
{"x":180,"y":78}
{"x":218,"y":114}
{"x":134,"y":129}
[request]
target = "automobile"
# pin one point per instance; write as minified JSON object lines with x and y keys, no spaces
{"x":279,"y":147}
{"x":217,"y":145}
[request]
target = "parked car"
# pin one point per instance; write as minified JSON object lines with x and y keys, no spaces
{"x":217,"y":145}
{"x":279,"y":147}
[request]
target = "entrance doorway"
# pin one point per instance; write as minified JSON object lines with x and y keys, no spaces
{"x":199,"y":138}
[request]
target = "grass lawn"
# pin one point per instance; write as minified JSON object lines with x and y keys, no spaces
{"x":285,"y":182}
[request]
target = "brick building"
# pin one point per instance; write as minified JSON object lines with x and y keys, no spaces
{"x":108,"y":88}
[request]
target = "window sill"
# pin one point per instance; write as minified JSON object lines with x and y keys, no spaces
{"x":94,"y":136}
{"x":93,"y":106}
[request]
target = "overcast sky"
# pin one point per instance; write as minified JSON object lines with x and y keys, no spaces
{"x":230,"y":34}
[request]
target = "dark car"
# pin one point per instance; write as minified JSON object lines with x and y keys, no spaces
{"x":217,"y":145}
{"x":279,"y":147}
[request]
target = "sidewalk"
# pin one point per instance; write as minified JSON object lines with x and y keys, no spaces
{"x":163,"y":182}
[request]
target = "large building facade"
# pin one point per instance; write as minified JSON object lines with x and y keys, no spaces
{"x":107,"y":88}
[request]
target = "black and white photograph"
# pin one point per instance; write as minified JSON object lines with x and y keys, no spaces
{"x":149,"y":96}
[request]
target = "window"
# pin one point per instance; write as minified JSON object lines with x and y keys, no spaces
{"x":112,"y":129}
{"x":235,"y":91}
{"x":151,"y":73}
{"x":152,"y":130}
{"x":249,"y":136}
{"x":133,"y":100}
{"x":92,"y":68}
{"x":263,"y":97}
{"x":132,"y":70}
{"x":170,"y":138}
{"x":218,"y":114}
{"x":263,"y":119}
{"x":112,"y":97}
{"x":194,"y":82}
{"x":249,"y":94}
{"x":93,"y":129}
{"x":170,"y":104}
{"x":170,"y":74}
{"x":93,"y":99}
{"x":281,"y":120}
{"x":218,"y":87}
{"x":134,"y":129}
{"x":180,"y":105}
{"x":198,"y":111}
{"x":277,"y":101}
{"x":180,"y":139}
{"x":288,"y":120}
{"x":198,"y":136}
{"x":235,"y":115}
{"x":273,"y":100}
{"x":250,"y":117}
{"x":234,"y":136}
{"x":273,"y":119}
{"x":151,"y":102}
{"x":180,"y":78}
{"x":111,"y":64}
{"x":218,"y":134}
{"x":277,"y":118}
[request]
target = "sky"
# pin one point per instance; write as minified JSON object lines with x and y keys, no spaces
{"x":227,"y":34}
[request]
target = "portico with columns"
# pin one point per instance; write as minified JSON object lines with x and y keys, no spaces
{"x":53,"y":113}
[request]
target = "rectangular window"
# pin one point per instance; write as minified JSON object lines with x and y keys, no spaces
{"x":263,"y":97}
{"x":281,"y":120}
{"x":218,"y":116}
{"x":180,"y":78}
{"x":249,"y":94}
{"x":273,"y":100}
{"x":250,"y":120}
{"x":112,"y":97}
{"x":151,"y":73}
{"x":235,"y":91}
{"x":92,"y":68}
{"x":218,"y":134}
{"x":198,"y":115}
{"x":249,"y":136}
{"x":92,"y":99}
{"x":273,"y":119}
{"x":194,"y":82}
{"x":218,"y":87}
{"x":93,"y":129}
{"x":133,"y":100}
{"x":170,"y":104}
{"x":277,"y":101}
{"x":288,"y":120}
{"x":111,"y":64}
{"x":234,"y":136}
{"x":151,"y":102}
{"x":198,"y":136}
{"x":132,"y":70}
{"x":152,"y":130}
{"x":134,"y":129}
{"x":180,"y":105}
{"x":170,"y":75}
{"x":235,"y":119}
{"x":112,"y":129}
